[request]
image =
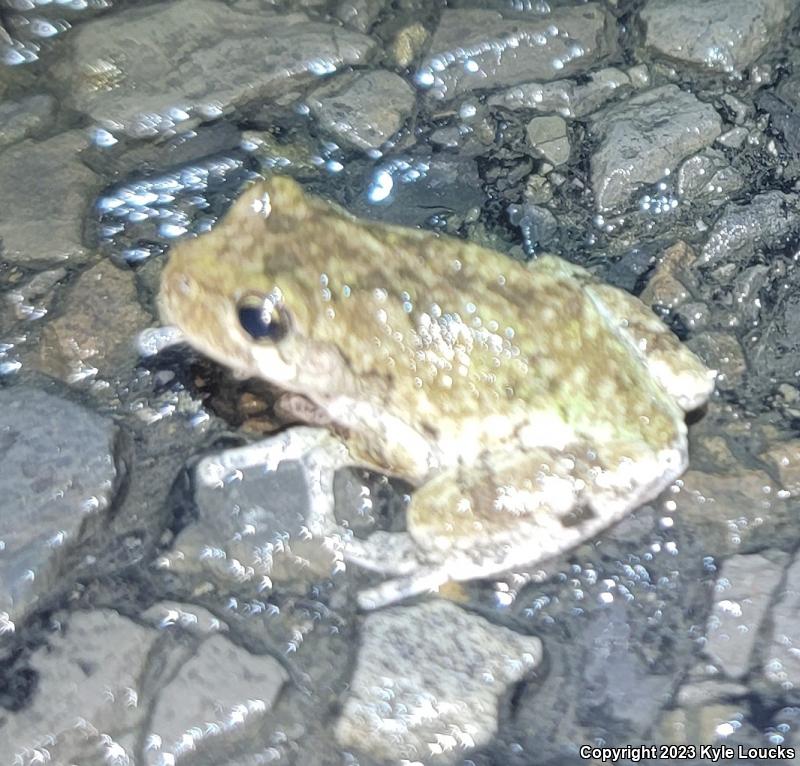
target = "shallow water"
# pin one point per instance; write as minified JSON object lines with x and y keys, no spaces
{"x":184,"y":623}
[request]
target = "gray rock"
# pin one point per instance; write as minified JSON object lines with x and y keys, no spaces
{"x":643,"y":138}
{"x":21,"y":119}
{"x":708,"y":177}
{"x":172,"y":615}
{"x":222,"y":693}
{"x":742,"y":595}
{"x":721,"y":35}
{"x":194,"y":60}
{"x":782,"y":656}
{"x":253,"y":528}
{"x":734,"y":510}
{"x":58,"y":480}
{"x":565,"y":97}
{"x":83,"y":342}
{"x":360,"y":14}
{"x":29,"y":299}
{"x":722,"y":352}
{"x":363,"y":110}
{"x":428,"y":681}
{"x":480,"y":49}
{"x":548,"y":137}
{"x":766,"y":221}
{"x":87,"y":697}
{"x":44,"y":194}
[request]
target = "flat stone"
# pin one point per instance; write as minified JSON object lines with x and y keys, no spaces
{"x":565,"y":97}
{"x":360,"y":14}
{"x":251,"y":532}
{"x":428,"y":682}
{"x":476,"y":49}
{"x":363,"y":110}
{"x":736,"y":510}
{"x":722,"y":352}
{"x":173,"y":615}
{"x":222,"y":692}
{"x":194,"y":60}
{"x":708,"y":177}
{"x":782,"y":654}
{"x":665,"y":289}
{"x":30,"y":299}
{"x":548,"y":137}
{"x":58,"y":480}
{"x":742,"y":595}
{"x":641,"y":139}
{"x":720,"y":35}
{"x":45,"y":192}
{"x":84,"y":341}
{"x":87,"y":695}
{"x":785,"y":459}
{"x":24,"y":118}
{"x":768,"y":220}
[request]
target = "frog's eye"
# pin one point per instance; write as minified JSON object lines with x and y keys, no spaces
{"x":261,"y":318}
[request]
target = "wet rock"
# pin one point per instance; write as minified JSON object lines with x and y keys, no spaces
{"x":44,"y":194}
{"x":742,"y":595}
{"x":58,"y":480}
{"x":171,"y":615}
{"x":548,"y":137}
{"x":480,"y":49}
{"x":428,"y":681}
{"x":194,"y":60}
{"x":416,"y":192}
{"x":363,"y":110}
{"x":644,"y":137}
{"x":25,"y":118}
{"x":665,"y":288}
{"x":784,"y":457}
{"x":766,"y":221}
{"x":537,"y":225}
{"x":710,"y":691}
{"x":737,"y":510}
{"x":722,"y":352}
{"x":253,"y":531}
{"x":360,"y":14}
{"x":408,"y":43}
{"x":782,"y":656}
{"x":708,"y":177}
{"x":86,"y":700}
{"x":721,"y":35}
{"x":565,"y":97}
{"x":30,"y":299}
{"x":91,"y":336}
{"x":222,"y":693}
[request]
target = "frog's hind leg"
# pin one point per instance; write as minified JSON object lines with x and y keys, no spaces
{"x":671,"y":363}
{"x":513,"y":510}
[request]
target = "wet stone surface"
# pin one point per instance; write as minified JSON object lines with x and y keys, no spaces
{"x":224,"y":58}
{"x":386,"y":99}
{"x":160,"y":606}
{"x":643,"y":139}
{"x":58,"y":481}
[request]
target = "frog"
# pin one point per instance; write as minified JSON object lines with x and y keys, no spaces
{"x":530,"y":406}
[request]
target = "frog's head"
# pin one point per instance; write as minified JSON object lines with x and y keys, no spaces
{"x":248,"y":292}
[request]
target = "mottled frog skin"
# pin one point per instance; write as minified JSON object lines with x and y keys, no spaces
{"x":530,"y":405}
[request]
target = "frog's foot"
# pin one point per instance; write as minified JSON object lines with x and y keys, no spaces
{"x":679,"y":372}
{"x":318,"y":451}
